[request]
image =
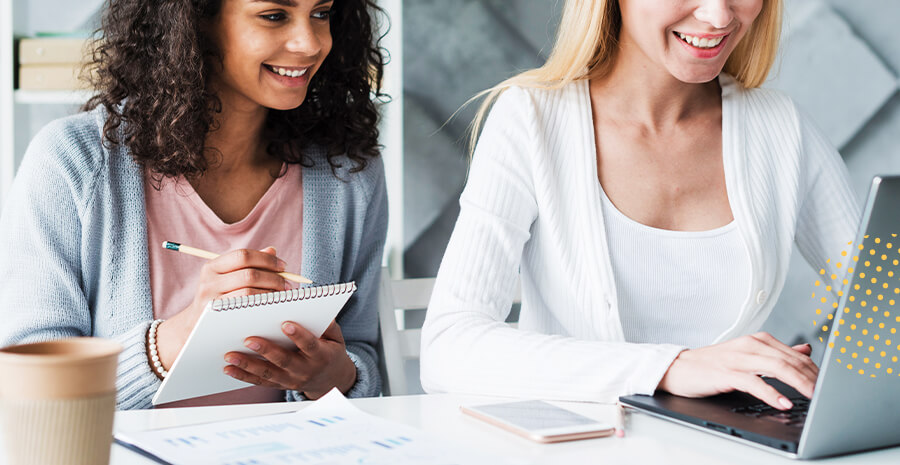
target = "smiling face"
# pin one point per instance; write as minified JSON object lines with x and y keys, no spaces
{"x":270,"y":50}
{"x":690,"y":39}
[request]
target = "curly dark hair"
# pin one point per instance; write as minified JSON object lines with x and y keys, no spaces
{"x":152,"y":67}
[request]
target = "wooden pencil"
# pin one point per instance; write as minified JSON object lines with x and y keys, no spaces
{"x":210,"y":255}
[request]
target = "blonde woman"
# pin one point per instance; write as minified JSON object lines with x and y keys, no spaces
{"x":647,"y":194}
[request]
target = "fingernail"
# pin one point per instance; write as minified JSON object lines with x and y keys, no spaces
{"x":252,"y":345}
{"x":288,"y":328}
{"x":785,"y":402}
{"x":281,"y":264}
{"x":232,"y":361}
{"x":273,"y":249}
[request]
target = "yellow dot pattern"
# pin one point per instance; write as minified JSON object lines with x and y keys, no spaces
{"x":866,"y":330}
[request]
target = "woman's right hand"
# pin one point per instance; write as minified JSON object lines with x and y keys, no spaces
{"x":737,"y":365}
{"x":236,"y":273}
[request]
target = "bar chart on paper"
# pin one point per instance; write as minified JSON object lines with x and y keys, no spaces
{"x":330,"y":432}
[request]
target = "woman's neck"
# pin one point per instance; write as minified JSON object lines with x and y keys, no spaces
{"x":237,"y":139}
{"x":240,"y":171}
{"x":639,"y":91}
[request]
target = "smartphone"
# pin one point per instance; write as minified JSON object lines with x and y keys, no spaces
{"x":540,"y":421}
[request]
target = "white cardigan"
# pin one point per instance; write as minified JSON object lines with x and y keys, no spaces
{"x":532,"y":206}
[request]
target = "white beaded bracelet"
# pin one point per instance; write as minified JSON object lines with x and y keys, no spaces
{"x":155,"y":363}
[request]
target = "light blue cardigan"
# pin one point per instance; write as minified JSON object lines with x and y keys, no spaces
{"x":74,"y":258}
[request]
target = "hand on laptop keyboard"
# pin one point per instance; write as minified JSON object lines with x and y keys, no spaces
{"x":736,"y":365}
{"x":796,"y":416}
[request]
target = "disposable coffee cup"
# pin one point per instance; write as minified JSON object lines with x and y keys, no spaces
{"x":57,"y":401}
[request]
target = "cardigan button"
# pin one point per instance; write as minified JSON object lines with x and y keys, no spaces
{"x":761,"y":297}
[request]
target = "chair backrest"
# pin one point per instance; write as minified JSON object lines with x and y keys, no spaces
{"x":399,"y":344}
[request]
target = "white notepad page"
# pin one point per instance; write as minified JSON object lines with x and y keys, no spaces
{"x":224,"y":324}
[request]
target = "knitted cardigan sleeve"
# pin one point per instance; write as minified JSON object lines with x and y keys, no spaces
{"x":362,"y":334}
{"x":829,"y":213}
{"x":43,"y":285}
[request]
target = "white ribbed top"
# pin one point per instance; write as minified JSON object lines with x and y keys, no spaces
{"x":676,"y":287}
{"x":532,"y":206}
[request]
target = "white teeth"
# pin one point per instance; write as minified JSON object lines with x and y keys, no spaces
{"x":288,"y":72}
{"x":701,"y":42}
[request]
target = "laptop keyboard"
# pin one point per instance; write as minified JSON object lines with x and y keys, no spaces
{"x":796,"y":416}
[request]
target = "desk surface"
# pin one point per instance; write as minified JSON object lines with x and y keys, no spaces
{"x":648,"y":440}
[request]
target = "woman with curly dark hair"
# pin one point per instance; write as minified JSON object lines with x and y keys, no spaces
{"x":236,"y":125}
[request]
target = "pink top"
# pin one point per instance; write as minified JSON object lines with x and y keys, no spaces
{"x":176,"y":213}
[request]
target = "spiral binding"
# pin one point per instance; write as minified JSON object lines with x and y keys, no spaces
{"x":291,"y":295}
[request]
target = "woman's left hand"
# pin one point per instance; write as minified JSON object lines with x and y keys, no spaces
{"x":315,"y":367}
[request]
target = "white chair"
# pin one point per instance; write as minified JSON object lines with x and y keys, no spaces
{"x":398,"y":343}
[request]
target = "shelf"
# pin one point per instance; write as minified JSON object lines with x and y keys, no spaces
{"x":51,"y":96}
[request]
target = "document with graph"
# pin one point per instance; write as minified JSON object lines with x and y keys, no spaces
{"x":330,"y":431}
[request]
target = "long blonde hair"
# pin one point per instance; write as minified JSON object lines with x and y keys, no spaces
{"x":598,"y":22}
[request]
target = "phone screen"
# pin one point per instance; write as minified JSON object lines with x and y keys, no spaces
{"x":533,"y":415}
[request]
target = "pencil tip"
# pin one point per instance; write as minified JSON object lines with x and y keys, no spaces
{"x":171,"y":245}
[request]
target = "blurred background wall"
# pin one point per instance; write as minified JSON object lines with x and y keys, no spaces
{"x":452,"y":50}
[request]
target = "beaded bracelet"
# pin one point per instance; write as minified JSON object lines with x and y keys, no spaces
{"x":155,"y":363}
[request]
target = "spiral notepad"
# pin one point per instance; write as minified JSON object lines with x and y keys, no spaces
{"x":224,"y":325}
{"x":291,"y":295}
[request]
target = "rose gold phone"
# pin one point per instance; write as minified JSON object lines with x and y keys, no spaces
{"x":539,"y":421}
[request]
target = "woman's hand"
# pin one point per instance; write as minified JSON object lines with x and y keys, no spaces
{"x":315,"y":367}
{"x":236,"y":273}
{"x":738,"y":364}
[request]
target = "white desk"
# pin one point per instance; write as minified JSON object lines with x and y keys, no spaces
{"x":648,"y":440}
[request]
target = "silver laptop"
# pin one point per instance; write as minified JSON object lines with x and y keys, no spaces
{"x":849,"y":411}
